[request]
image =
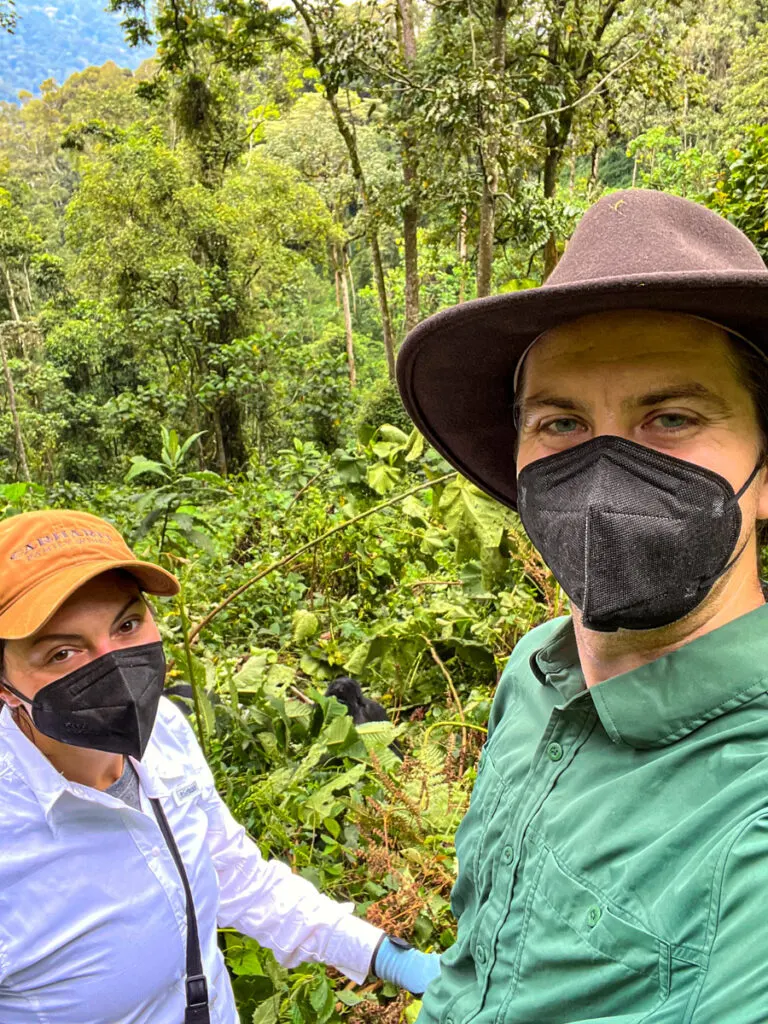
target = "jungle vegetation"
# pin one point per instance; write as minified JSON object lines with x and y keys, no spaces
{"x":206,"y":268}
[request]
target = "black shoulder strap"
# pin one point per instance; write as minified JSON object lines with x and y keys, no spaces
{"x":197,"y":987}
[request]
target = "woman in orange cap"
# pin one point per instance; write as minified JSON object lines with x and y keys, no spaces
{"x":119,"y":859}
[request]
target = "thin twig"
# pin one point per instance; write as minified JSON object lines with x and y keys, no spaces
{"x":282,"y":562}
{"x":305,"y":488}
{"x":586,"y":96}
{"x":454,"y":693}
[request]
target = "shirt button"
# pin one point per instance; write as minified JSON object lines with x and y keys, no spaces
{"x":155,"y":851}
{"x":507,"y":855}
{"x":481,"y":954}
{"x":593,"y":916}
{"x":554,"y":752}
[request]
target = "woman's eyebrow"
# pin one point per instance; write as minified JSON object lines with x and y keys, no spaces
{"x":134,"y":600}
{"x":58,"y":638}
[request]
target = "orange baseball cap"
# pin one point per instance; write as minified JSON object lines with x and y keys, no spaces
{"x":45,"y":556}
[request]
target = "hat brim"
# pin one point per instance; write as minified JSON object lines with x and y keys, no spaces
{"x":455,"y":370}
{"x":34,"y":608}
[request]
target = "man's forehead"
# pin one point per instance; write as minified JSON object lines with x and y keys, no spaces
{"x":690,"y":348}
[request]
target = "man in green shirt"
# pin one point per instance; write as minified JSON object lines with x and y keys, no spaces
{"x":613,"y":864}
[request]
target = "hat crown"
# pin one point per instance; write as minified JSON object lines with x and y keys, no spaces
{"x":641,"y":232}
{"x":46,"y":556}
{"x":35,"y":545}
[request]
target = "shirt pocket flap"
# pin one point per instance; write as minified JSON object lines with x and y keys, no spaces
{"x":597,"y":922}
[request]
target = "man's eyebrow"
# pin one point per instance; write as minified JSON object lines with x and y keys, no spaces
{"x":675,"y":392}
{"x":542,"y":398}
{"x":678,"y":391}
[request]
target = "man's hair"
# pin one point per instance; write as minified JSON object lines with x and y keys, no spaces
{"x":752,"y":371}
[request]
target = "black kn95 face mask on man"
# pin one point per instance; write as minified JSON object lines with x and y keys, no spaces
{"x":636,"y":538}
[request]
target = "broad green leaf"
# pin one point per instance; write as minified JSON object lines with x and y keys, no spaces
{"x":140,"y":465}
{"x":390,"y":433}
{"x":383,"y":478}
{"x":267,"y":1012}
{"x":280,"y":675}
{"x":305,"y":625}
{"x":415,"y":447}
{"x":472,"y":517}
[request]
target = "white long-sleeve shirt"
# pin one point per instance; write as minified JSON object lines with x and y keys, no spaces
{"x":92,"y":910}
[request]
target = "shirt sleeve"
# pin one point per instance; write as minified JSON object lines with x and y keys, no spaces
{"x":735,"y":986}
{"x":267,"y":901}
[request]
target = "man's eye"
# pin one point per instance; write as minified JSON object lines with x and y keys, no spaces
{"x":562,"y":425}
{"x":130,"y":625}
{"x":673,"y":420}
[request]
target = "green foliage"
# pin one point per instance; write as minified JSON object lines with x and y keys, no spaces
{"x":174,"y":249}
{"x":741,"y":191}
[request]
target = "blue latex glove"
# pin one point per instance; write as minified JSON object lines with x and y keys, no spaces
{"x":397,"y":961}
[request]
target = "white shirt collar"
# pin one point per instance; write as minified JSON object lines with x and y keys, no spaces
{"x":155,"y":771}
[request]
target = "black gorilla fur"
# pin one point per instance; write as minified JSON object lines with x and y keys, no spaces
{"x":361,"y":708}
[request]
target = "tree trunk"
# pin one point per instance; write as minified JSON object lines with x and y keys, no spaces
{"x":28,"y":286}
{"x":593,"y":169}
{"x":342,"y":277}
{"x":463,"y":255}
{"x":21,"y":453}
{"x":231,"y":424}
{"x":489,"y":157}
{"x":221,"y":454}
{"x":410,"y":179}
{"x":487,"y":227}
{"x":11,"y":294}
{"x":557,"y":135}
{"x":350,"y":141}
{"x":381,"y":292}
{"x":410,"y":244}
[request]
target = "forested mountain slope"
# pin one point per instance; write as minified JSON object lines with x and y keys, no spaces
{"x":53,"y":40}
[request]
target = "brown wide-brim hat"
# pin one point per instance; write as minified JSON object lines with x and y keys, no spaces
{"x":634,"y":249}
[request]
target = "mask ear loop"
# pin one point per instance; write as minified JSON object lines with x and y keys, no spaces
{"x":7,"y":686}
{"x":739,"y":494}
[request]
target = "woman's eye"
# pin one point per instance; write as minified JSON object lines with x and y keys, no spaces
{"x":64,"y":654}
{"x":130,"y":625}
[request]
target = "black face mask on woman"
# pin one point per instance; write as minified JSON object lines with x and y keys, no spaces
{"x":110,"y":704}
{"x":635,"y":538}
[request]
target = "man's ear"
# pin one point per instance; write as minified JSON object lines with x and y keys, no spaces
{"x":761,"y":512}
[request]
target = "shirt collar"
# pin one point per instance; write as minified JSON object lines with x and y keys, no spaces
{"x":37,"y":771}
{"x":48,"y":785}
{"x":668,"y":698}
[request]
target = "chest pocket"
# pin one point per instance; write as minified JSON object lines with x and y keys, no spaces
{"x":582,"y":960}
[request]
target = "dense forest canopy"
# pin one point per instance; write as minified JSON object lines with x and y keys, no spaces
{"x":207,"y":265}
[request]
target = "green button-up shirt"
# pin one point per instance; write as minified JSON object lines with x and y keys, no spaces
{"x":613,"y":863}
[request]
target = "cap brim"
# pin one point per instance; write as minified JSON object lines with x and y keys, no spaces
{"x":34,"y":608}
{"x":455,"y":370}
